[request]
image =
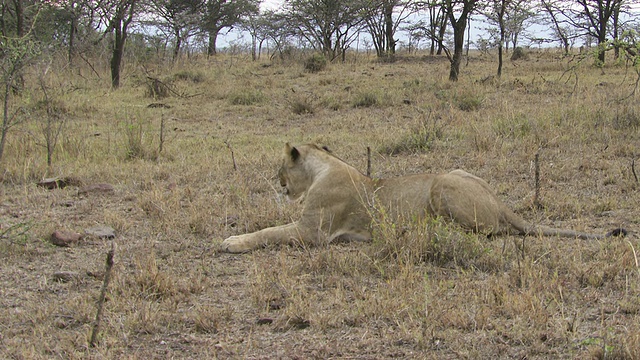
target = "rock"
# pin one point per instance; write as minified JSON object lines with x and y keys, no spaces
{"x":101,"y":188}
{"x":64,"y":276}
{"x":64,"y":238}
{"x":101,"y":231}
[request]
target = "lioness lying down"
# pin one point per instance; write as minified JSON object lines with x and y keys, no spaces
{"x":337,"y":200}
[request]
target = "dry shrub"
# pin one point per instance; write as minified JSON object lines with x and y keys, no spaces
{"x":301,"y":105}
{"x":157,"y":89}
{"x":195,"y":77}
{"x":315,"y":63}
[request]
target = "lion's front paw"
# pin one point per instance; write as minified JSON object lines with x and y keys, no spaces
{"x":237,"y":244}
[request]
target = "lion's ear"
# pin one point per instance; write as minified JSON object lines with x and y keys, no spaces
{"x":291,"y":152}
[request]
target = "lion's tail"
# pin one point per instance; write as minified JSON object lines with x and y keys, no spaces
{"x":525,"y":228}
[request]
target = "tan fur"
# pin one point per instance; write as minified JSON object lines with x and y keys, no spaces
{"x":337,"y":198}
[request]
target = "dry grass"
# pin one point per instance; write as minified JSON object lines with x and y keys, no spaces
{"x":421,"y":289}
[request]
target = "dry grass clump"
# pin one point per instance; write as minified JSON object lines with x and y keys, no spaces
{"x":420,"y":138}
{"x":246,"y":97}
{"x":421,"y":289}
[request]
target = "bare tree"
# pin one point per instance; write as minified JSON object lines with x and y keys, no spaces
{"x":495,"y":14}
{"x":382,"y":19}
{"x":179,"y":18}
{"x":559,"y":24}
{"x":257,"y":26}
{"x":463,"y":9}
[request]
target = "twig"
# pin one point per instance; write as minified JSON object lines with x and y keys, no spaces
{"x":633,"y":169}
{"x":635,"y":256}
{"x":161,"y":134}
{"x":233,"y":158}
{"x":103,"y":292}
{"x":369,"y":161}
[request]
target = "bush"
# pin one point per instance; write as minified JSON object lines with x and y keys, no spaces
{"x":519,"y":54}
{"x":315,"y":63}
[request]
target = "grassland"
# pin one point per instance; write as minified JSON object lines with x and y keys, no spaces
{"x":421,"y":289}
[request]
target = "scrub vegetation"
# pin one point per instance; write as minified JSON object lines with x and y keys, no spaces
{"x":199,"y":164}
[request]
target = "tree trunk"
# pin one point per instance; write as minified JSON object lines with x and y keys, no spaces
{"x":178,"y":44}
{"x":441,"y":32}
{"x":458,"y":48}
{"x":118,"y":52}
{"x":388,"y":28}
{"x":73,"y":29}
{"x":213,"y":37}
{"x":19,"y":18}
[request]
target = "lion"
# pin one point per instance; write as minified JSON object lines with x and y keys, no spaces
{"x":337,"y":201}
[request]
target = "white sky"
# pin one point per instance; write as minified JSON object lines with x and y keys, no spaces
{"x":270,"y":4}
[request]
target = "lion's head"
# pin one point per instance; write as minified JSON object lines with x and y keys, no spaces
{"x":299,"y":166}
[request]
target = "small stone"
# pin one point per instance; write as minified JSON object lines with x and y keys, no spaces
{"x":64,"y":238}
{"x":102,"y":232}
{"x":101,"y":188}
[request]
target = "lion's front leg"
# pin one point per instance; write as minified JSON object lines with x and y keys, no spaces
{"x":284,"y":234}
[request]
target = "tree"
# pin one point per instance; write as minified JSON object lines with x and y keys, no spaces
{"x":220,"y":14}
{"x":382,"y":25}
{"x":330,"y":26}
{"x":510,"y":17}
{"x":495,"y":14}
{"x":560,"y":29}
{"x":118,"y":15}
{"x":257,"y":26}
{"x":463,"y":8}
{"x":438,"y":20}
{"x":591,"y":18}
{"x":178,"y":18}
{"x":519,"y":15}
{"x":277,"y":28}
{"x":597,"y":15}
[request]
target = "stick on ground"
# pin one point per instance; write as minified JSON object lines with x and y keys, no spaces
{"x":103,"y":292}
